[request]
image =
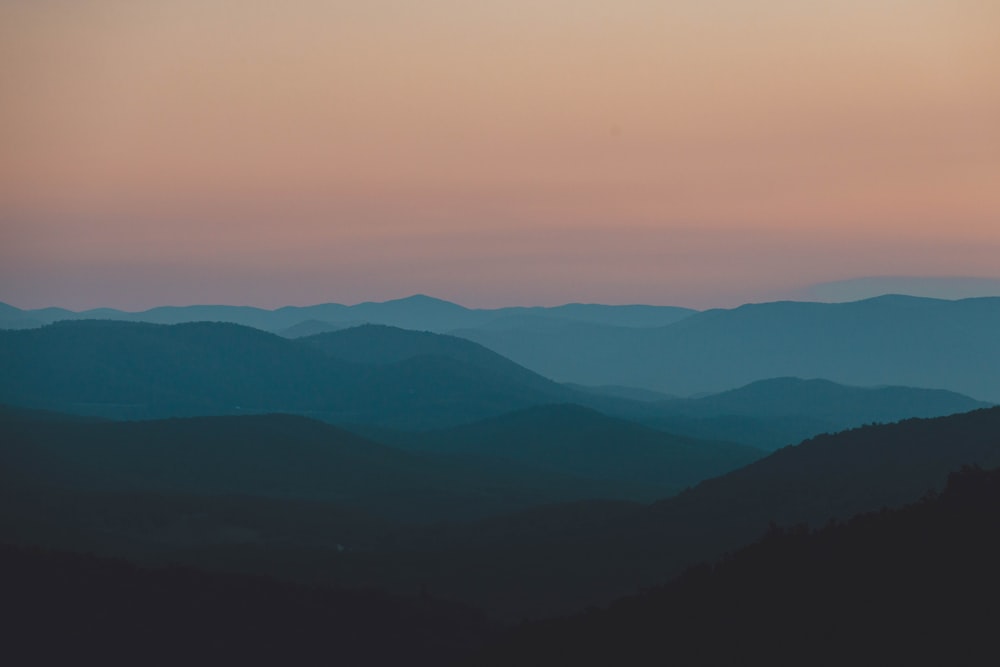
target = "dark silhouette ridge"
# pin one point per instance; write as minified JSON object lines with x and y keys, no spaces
{"x":537,"y":562}
{"x":279,"y":456}
{"x":827,"y":477}
{"x":914,"y":586}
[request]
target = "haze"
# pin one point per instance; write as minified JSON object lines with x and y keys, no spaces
{"x":699,"y":154}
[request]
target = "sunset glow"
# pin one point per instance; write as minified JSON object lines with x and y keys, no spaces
{"x":492,"y":153}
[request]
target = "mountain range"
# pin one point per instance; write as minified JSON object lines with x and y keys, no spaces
{"x":415,"y":312}
{"x":294,"y":458}
{"x":443,"y":489}
{"x":380,"y":375}
{"x":889,"y":340}
{"x":599,"y":553}
{"x":139,"y":370}
{"x":230,"y":474}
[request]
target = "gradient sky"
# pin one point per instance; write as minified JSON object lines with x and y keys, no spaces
{"x":494,"y":152}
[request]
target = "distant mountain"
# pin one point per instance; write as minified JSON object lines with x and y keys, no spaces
{"x":376,"y":374}
{"x":913,"y":586}
{"x":634,"y":316}
{"x":274,"y":456}
{"x":578,"y":441}
{"x":416,"y":312}
{"x":381,"y":345}
{"x":138,"y":370}
{"x":893,"y":340}
{"x":313,"y":327}
{"x":936,"y":287}
{"x":782,"y":411}
{"x":822,"y":399}
{"x":618,"y":391}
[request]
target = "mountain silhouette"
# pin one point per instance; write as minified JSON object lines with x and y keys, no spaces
{"x":781,"y":411}
{"x":890,"y":340}
{"x":419,"y":312}
{"x":276,"y":456}
{"x":138,"y":370}
{"x":578,"y":441}
{"x":828,"y":477}
{"x":913,"y":586}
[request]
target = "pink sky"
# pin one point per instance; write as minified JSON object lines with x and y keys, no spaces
{"x":493,"y":152}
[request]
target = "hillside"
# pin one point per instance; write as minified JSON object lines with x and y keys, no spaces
{"x":535,"y":561}
{"x":584,"y":443}
{"x":117,"y":614}
{"x":913,"y":586}
{"x":891,"y":340}
{"x":381,"y":345}
{"x":275,"y":456}
{"x":828,"y":477}
{"x":782,"y":411}
{"x":136,"y":370}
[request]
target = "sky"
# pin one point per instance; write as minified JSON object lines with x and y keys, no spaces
{"x":493,"y":153}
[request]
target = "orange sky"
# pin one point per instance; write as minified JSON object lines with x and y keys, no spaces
{"x":492,"y":152}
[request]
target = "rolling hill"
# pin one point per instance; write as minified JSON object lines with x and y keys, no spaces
{"x":137,"y":370}
{"x":582,"y":442}
{"x":782,"y":411}
{"x":277,"y":457}
{"x":828,"y":477}
{"x":911,"y":586}
{"x":890,"y":340}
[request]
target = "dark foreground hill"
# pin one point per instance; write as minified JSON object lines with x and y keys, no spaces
{"x":914,"y":586}
{"x":63,"y":608}
{"x":829,"y":477}
{"x":277,"y":457}
{"x":891,"y":340}
{"x":537,"y":562}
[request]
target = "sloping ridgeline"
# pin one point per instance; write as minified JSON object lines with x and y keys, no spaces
{"x":582,"y":442}
{"x":913,"y":586}
{"x":782,"y":411}
{"x":135,"y":370}
{"x":890,"y":340}
{"x":828,"y":477}
{"x":276,"y":457}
